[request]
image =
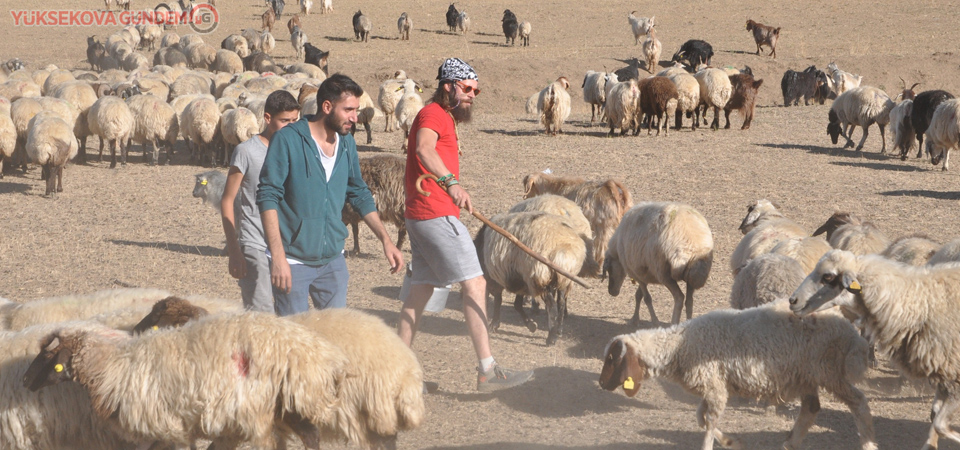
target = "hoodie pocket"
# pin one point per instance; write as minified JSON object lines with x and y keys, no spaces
{"x":308,"y":240}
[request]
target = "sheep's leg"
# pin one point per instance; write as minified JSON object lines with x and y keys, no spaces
{"x":708,"y":415}
{"x":82,"y":153}
{"x":716,"y":118}
{"x":60,"y":179}
{"x":848,"y":135}
{"x":401,"y":234}
{"x":920,"y":150}
{"x":809,"y":407}
{"x":946,"y":159}
{"x":404,"y":145}
{"x":678,"y":299}
{"x":367,"y":127}
{"x":124,"y":146}
{"x":51,"y":180}
{"x":938,"y":399}
{"x":355,"y":227}
{"x":866,"y":132}
{"x":101,"y":150}
{"x":883,"y":139}
{"x":554,"y":315}
{"x":726,"y":115}
{"x":857,"y":403}
{"x":497,"y":293}
{"x":941,"y":422}
{"x":113,"y":152}
{"x":688,"y":302}
{"x":518,"y":305}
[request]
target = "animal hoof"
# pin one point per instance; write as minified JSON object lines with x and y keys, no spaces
{"x":532,"y":326}
{"x":494,"y":326}
{"x":552,"y":339}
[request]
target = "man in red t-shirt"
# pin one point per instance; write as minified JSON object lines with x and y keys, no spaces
{"x":443,"y":252}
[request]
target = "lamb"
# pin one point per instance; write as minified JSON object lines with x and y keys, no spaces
{"x":200,"y":123}
{"x":915,"y":250}
{"x":688,"y":98}
{"x":391,"y":90}
{"x":846,"y":231}
{"x":306,"y":6}
{"x":658,"y":95}
{"x":361,"y":26}
{"x":765,"y":279}
{"x":463,"y":23}
{"x":861,"y":106}
{"x":553,"y":105}
{"x":949,"y":252}
{"x":660,"y":243}
{"x":404,"y":25}
{"x":230,"y":389}
{"x":452,"y":15}
{"x":511,"y":27}
{"x":75,"y":307}
{"x":603,"y":203}
{"x":806,"y":250}
{"x":568,"y":209}
{"x":776,"y":357}
{"x":621,"y":106}
{"x":842,"y":81}
{"x":407,"y":108}
{"x":763,"y":227}
{"x":908,"y":312}
{"x":640,"y":25}
{"x":743,"y":99}
{"x":944,"y":132}
{"x":924,"y":105}
{"x":716,"y":90}
{"x":651,"y":50}
{"x":807,"y":84}
{"x":209,"y":187}
{"x":694,"y":52}
{"x":525,"y":29}
{"x":594,"y":92}
{"x":505,"y":266}
{"x":365,"y":114}
{"x":297,"y":39}
{"x":110,"y":119}
{"x":236,"y":126}
{"x":155,"y":123}
{"x":384,"y":176}
{"x":51,"y":143}
{"x":903,"y":134}
{"x":764,"y":35}
{"x":326,"y":6}
{"x":227,"y":61}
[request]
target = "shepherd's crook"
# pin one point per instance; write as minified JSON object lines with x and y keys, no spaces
{"x":505,"y":233}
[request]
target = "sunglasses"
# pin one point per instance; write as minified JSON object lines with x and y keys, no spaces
{"x":468,"y":89}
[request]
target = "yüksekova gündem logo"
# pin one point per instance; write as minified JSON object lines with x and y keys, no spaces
{"x":202,"y":17}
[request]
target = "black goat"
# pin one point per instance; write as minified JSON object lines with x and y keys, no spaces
{"x":452,"y":15}
{"x":315,"y":56}
{"x":923,"y":107}
{"x":95,"y":51}
{"x":694,"y":52}
{"x":511,"y":28}
{"x":277,"y":7}
{"x":804,"y":84}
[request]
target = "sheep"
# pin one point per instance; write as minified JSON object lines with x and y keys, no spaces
{"x":309,"y":70}
{"x":306,"y":6}
{"x":53,"y":79}
{"x":297,"y":39}
{"x":651,"y":50}
{"x":209,"y":187}
{"x":688,"y":98}
{"x":766,"y":279}
{"x":525,"y":29}
{"x":81,"y":95}
{"x":908,"y":312}
{"x":640,"y":25}
{"x":191,"y":84}
{"x":155,"y":86}
{"x":949,"y":252}
{"x":268,"y":19}
{"x":253,"y":38}
{"x":51,"y":143}
{"x":452,"y":15}
{"x":807,"y":84}
{"x":384,"y":176}
{"x":261,"y":62}
{"x":227,"y":61}
{"x":903,"y":134}
{"x":8,"y":139}
{"x":230,"y":388}
{"x":660,"y":243}
{"x":603,"y":202}
{"x":404,"y":25}
{"x":236,"y":126}
{"x":268,"y":43}
{"x":764,"y":35}
{"x":315,"y":56}
{"x":915,"y":250}
{"x":846,"y":231}
{"x":658,"y":96}
{"x":806,"y":250}
{"x":326,"y":6}
{"x":365,"y":114}
{"x":294,"y":22}
{"x":170,"y":56}
{"x":763,"y":227}
{"x":924,"y":105}
{"x":278,"y":7}
{"x":15,"y":89}
{"x":861,"y":106}
{"x":511,"y":27}
{"x":742,"y":99}
{"x":110,"y":119}
{"x":716,"y":90}
{"x":200,"y":124}
{"x":236,"y":43}
{"x":149,"y":35}
{"x":76,"y":307}
{"x":389,"y":94}
{"x":361,"y":26}
{"x":505,"y":266}
{"x":170,"y":40}
{"x":842,"y":81}
{"x":200,"y":55}
{"x":568,"y":209}
{"x":621,"y":106}
{"x":135,"y":61}
{"x":943,"y":134}
{"x":594,"y":92}
{"x":553,"y":105}
{"x":95,"y":52}
{"x":776,"y":357}
{"x":407,"y":108}
{"x":694,"y":52}
{"x":155,"y":123}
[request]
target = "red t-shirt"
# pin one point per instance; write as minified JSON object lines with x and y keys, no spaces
{"x":438,"y":204}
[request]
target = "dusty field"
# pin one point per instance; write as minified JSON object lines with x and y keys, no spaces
{"x":139,"y":225}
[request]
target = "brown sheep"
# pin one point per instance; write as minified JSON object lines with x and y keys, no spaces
{"x":268,"y":19}
{"x":170,"y":312}
{"x":658,"y":95}
{"x":603,"y":202}
{"x":764,"y":35}
{"x":743,"y":99}
{"x":384,"y":176}
{"x":294,"y":22}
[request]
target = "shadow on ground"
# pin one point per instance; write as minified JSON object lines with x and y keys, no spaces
{"x":202,"y":250}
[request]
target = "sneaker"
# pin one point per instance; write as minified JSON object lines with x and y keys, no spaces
{"x":498,"y":378}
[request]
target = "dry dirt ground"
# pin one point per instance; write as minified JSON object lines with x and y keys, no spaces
{"x":139,"y":225}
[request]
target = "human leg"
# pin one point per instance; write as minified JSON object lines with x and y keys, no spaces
{"x":412,"y":311}
{"x":329,"y":288}
{"x":255,"y":288}
{"x":295,"y":301}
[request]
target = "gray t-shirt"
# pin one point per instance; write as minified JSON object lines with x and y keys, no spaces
{"x":248,"y":157}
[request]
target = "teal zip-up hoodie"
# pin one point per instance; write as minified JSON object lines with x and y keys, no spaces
{"x":293,"y":182}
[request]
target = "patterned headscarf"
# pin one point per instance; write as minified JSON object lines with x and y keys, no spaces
{"x":455,"y":69}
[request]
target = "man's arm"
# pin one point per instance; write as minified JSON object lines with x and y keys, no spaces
{"x":279,"y":267}
{"x":237,"y":265}
{"x":430,"y":159}
{"x":392,"y":253}
{"x":270,"y":192}
{"x":362,"y":201}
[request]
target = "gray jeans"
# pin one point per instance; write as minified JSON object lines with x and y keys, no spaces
{"x":255,"y":288}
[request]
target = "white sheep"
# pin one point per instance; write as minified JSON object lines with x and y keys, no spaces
{"x":153,"y":85}
{"x":149,"y":35}
{"x":566,"y":208}
{"x":505,"y":266}
{"x":306,"y":6}
{"x":404,"y":25}
{"x":81,"y":95}
{"x":170,"y":39}
{"x":904,"y":136}
{"x":660,"y":243}
{"x":407,"y":108}
{"x":762,"y":352}
{"x":236,"y":43}
{"x":806,"y":250}
{"x":463,"y":23}
{"x":553,"y":105}
{"x":525,"y":29}
{"x":842,"y":81}
{"x":75,"y":307}
{"x":200,"y":54}
{"x":14,"y":89}
{"x":155,"y":123}
{"x":51,"y":143}
{"x":765,"y":279}
{"x":943,"y":134}
{"x":861,"y":106}
{"x":200,"y":124}
{"x":111,"y":119}
{"x":267,"y":42}
{"x":190,"y":39}
{"x":846,"y":231}
{"x":621,"y":106}
{"x":191,"y":83}
{"x":236,"y":126}
{"x":235,"y":375}
{"x":253,"y":38}
{"x":54,"y":79}
{"x":907,"y":312}
{"x":688,"y":96}
{"x":651,"y":50}
{"x":763,"y":227}
{"x":227,"y":61}
{"x":715,"y":92}
{"x":640,"y":25}
{"x":8,"y":139}
{"x":675,"y":69}
{"x":915,"y":250}
{"x":365,"y":114}
{"x":391,"y":90}
{"x":326,"y":6}
{"x":594,"y":92}
{"x":310,"y":70}
{"x":298,"y":39}
{"x":949,"y":252}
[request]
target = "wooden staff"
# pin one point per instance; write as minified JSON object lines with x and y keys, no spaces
{"x":505,"y":234}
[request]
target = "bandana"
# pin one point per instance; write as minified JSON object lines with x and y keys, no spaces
{"x":456,"y":70}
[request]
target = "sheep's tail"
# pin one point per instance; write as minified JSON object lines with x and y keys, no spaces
{"x":533,"y":104}
{"x":904,"y":135}
{"x":621,"y":196}
{"x":410,"y":405}
{"x":698,"y":270}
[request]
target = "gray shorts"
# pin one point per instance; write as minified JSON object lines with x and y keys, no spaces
{"x":443,"y":252}
{"x":255,"y":288}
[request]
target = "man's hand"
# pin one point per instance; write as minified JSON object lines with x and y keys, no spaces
{"x":460,"y":197}
{"x":238,"y":265}
{"x":280,"y":274}
{"x":394,"y":256}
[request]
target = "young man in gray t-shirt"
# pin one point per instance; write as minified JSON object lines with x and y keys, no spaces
{"x":241,"y":218}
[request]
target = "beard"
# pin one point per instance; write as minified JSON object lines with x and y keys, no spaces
{"x":330,"y":122}
{"x":462,"y":113}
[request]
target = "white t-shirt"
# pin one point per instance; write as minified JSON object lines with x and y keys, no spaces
{"x":325,"y":161}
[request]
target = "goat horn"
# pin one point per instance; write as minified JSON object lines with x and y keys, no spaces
{"x":903,"y":83}
{"x":914,"y":85}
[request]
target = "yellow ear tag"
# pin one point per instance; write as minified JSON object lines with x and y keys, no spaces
{"x":855,"y":286}
{"x":628,"y":383}
{"x":156,"y":327}
{"x":203,"y":183}
{"x":58,"y":368}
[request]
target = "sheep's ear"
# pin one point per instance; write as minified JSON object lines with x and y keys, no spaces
{"x":851,"y":284}
{"x":51,"y":366}
{"x":756,"y":84}
{"x":622,"y":368}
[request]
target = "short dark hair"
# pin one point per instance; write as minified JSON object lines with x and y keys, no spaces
{"x":334,"y":87}
{"x":280,"y":101}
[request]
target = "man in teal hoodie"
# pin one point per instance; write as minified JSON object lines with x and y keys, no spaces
{"x":310,"y":170}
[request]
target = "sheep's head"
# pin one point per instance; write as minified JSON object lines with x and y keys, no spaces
{"x":751,"y":25}
{"x":936,"y":152}
{"x":54,"y":364}
{"x":614,"y":269}
{"x":835,"y":221}
{"x":564,"y":82}
{"x":622,"y":368}
{"x":756,"y":212}
{"x":833,"y":128}
{"x":200,"y":188}
{"x":832,"y":283}
{"x":170,"y":312}
{"x":907,"y":93}
{"x":531,"y":185}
